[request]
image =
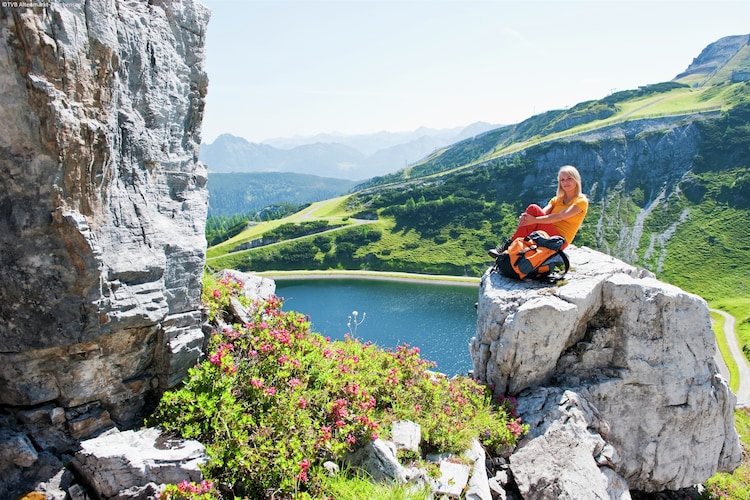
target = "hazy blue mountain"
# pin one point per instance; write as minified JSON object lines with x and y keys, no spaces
{"x":354,"y":157}
{"x":235,"y":154}
{"x":369,"y":144}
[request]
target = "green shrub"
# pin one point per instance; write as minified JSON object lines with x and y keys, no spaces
{"x":273,"y":401}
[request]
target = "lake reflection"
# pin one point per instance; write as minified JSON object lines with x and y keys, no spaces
{"x":439,"y":319}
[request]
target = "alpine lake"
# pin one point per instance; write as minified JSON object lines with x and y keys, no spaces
{"x":439,"y":319}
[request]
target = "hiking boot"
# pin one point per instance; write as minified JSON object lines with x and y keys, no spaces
{"x":495,"y":252}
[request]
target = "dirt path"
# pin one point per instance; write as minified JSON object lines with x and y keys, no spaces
{"x":743,"y":393}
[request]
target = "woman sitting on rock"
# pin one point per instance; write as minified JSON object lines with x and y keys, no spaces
{"x":562,"y":216}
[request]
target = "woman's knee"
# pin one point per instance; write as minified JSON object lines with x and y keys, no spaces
{"x":534,"y":210}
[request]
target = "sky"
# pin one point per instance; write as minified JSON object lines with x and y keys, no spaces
{"x":286,"y":68}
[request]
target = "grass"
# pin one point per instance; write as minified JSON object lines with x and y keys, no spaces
{"x":739,"y":307}
{"x":333,"y":210}
{"x":683,"y":101}
{"x":399,"y":250}
{"x":407,"y":245}
{"x":740,"y":60}
{"x":674,"y":103}
{"x":678,"y":101}
{"x":353,"y":487}
{"x":709,"y":257}
{"x":248,"y":234}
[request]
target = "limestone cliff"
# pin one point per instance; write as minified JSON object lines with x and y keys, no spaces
{"x":102,"y":207}
{"x":615,"y":373}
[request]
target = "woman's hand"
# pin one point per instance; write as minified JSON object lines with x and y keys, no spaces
{"x":526,"y":219}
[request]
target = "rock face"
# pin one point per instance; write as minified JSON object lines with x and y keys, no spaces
{"x":614,"y":372}
{"x":102,"y":206}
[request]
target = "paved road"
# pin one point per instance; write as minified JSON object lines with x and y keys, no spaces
{"x":743,"y":393}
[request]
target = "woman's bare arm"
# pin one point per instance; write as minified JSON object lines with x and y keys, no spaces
{"x":527,"y":219}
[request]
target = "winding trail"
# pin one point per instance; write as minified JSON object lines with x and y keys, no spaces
{"x":743,"y":393}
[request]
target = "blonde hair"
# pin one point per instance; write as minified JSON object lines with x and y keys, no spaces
{"x":573,"y":172}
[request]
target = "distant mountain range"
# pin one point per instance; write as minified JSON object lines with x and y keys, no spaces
{"x":352,"y":157}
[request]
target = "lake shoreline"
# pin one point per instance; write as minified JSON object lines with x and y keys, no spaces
{"x":373,"y":275}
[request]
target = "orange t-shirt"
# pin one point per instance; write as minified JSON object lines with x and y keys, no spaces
{"x":569,"y":227}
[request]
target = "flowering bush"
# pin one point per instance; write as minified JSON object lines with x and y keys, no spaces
{"x":217,"y":291}
{"x":190,"y":491}
{"x":273,"y":401}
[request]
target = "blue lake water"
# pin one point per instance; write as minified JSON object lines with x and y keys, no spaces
{"x":439,"y":319}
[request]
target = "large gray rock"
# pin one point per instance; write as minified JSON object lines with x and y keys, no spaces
{"x":125,"y":464}
{"x":103,"y":201}
{"x":379,"y":461}
{"x":638,"y":352}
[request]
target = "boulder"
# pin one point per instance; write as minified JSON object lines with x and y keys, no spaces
{"x":379,"y":460}
{"x":128,"y":464}
{"x":16,"y":449}
{"x":254,"y":287}
{"x":406,"y":435}
{"x":478,"y":487}
{"x":627,"y":363}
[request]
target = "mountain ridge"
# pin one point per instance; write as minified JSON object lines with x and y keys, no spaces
{"x":706,"y":88}
{"x":352,"y":157}
{"x":715,"y":56}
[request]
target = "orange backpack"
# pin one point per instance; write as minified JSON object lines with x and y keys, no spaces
{"x":536,"y":256}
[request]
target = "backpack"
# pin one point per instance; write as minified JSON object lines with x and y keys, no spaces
{"x":536,"y":256}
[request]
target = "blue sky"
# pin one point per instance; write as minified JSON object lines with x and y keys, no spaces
{"x":283,"y":68}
